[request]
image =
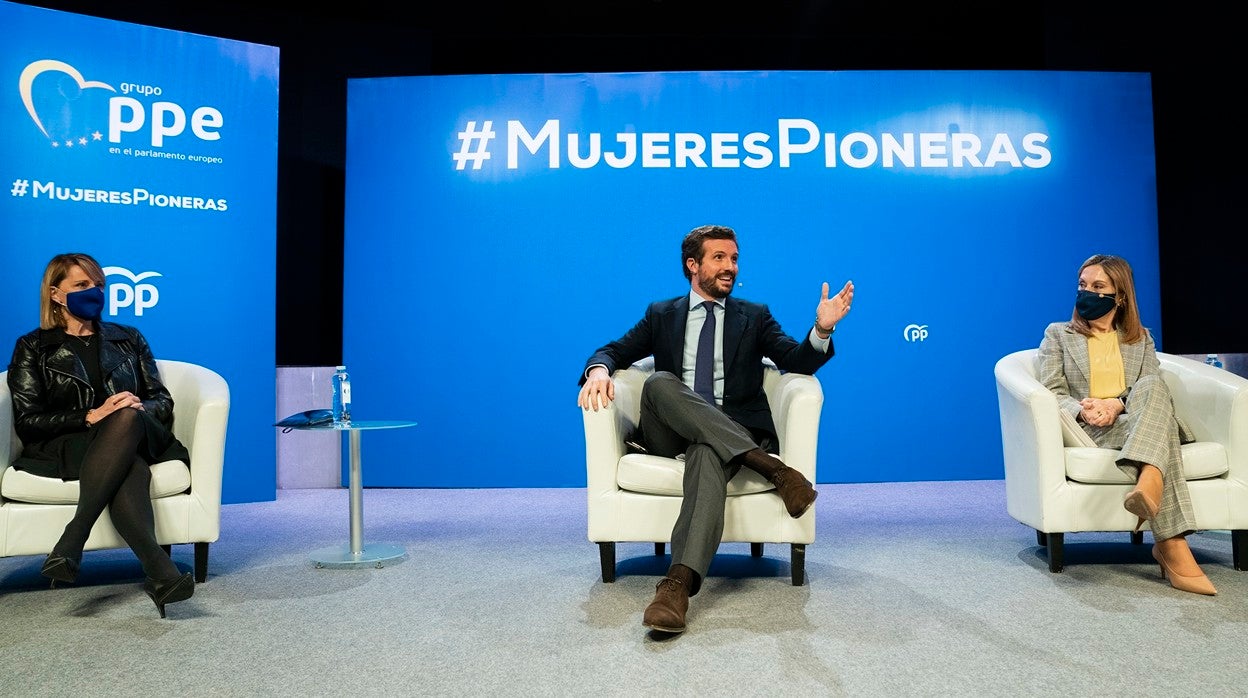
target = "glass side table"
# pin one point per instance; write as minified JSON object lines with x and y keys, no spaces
{"x":356,"y":554}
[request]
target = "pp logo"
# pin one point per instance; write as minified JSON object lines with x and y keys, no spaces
{"x":135,"y":294}
{"x":914,"y":333}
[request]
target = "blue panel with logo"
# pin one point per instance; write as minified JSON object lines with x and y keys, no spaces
{"x":501,"y":227}
{"x":155,"y":152}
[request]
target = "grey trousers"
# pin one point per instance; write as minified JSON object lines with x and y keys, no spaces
{"x":1148,"y":433}
{"x":676,"y":420}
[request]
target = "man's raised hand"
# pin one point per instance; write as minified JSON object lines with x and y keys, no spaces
{"x":832,"y":310}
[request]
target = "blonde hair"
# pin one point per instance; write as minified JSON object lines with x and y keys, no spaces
{"x":1127,"y":319}
{"x":52,"y":315}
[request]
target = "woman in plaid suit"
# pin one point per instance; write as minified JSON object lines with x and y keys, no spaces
{"x":1103,"y":367}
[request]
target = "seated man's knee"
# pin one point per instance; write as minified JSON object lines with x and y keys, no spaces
{"x":659,"y":382}
{"x":660,"y":378}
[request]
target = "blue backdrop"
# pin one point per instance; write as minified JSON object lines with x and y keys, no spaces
{"x":154,"y":151}
{"x":490,"y":246}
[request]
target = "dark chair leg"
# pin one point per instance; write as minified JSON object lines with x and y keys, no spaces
{"x":1040,"y":539}
{"x":201,"y":562}
{"x":756,"y":549}
{"x":606,"y":555}
{"x":660,"y":549}
{"x":1137,"y":538}
{"x":1239,"y":549}
{"x":798,"y":564}
{"x":1055,"y":552}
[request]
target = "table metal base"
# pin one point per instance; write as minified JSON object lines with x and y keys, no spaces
{"x":371,"y":555}
{"x":356,"y":554}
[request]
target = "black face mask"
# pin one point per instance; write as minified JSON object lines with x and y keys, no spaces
{"x":1092,"y":305}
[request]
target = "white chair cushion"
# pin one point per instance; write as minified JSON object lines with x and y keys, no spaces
{"x":665,"y":476}
{"x":168,"y":478}
{"x":1096,"y":466}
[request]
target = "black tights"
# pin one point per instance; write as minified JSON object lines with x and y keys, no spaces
{"x":113,"y":475}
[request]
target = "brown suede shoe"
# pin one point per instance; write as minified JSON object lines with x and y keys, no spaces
{"x":795,"y":491}
{"x":667,"y":612}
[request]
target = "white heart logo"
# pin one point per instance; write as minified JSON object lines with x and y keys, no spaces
{"x":34,"y":70}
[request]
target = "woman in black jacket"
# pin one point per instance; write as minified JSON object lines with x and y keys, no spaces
{"x":89,"y":405}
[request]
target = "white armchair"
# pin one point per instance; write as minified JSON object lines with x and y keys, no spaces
{"x":1057,"y":484}
{"x":187,"y":501}
{"x":636,"y":497}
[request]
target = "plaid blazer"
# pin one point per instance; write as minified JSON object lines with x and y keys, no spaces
{"x":1064,"y":368}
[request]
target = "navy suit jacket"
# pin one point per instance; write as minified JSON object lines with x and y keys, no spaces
{"x":750,"y":333}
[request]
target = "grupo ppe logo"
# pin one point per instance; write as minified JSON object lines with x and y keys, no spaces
{"x":915,"y":333}
{"x":127,"y":289}
{"x":78,"y":112}
{"x":129,"y":120}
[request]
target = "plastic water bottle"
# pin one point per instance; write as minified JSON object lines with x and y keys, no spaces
{"x":1212,"y":360}
{"x":342,"y":396}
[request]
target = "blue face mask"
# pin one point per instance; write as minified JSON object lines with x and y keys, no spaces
{"x":1092,"y":305}
{"x":86,"y":304}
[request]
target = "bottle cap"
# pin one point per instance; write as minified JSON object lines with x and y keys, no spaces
{"x":342,"y":368}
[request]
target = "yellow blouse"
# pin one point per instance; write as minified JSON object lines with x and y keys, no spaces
{"x":1108,"y":379}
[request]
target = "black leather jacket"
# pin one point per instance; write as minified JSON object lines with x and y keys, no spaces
{"x":51,"y":391}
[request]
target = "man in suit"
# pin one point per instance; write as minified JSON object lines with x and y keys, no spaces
{"x":706,"y":400}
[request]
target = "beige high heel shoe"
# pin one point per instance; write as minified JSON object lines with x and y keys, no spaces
{"x":1139,"y":504}
{"x":1145,"y":499}
{"x":1196,"y":584}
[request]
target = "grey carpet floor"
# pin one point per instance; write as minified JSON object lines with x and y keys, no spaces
{"x":914,"y":589}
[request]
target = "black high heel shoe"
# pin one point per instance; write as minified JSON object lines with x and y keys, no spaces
{"x":59,"y":568}
{"x":170,"y":590}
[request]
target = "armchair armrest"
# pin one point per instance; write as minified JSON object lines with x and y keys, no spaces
{"x":796,"y":405}
{"x":604,"y":446}
{"x":606,"y":429}
{"x":1031,"y":437}
{"x":1213,"y":403}
{"x":208,"y":443}
{"x":9,"y":444}
{"x":201,"y":417}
